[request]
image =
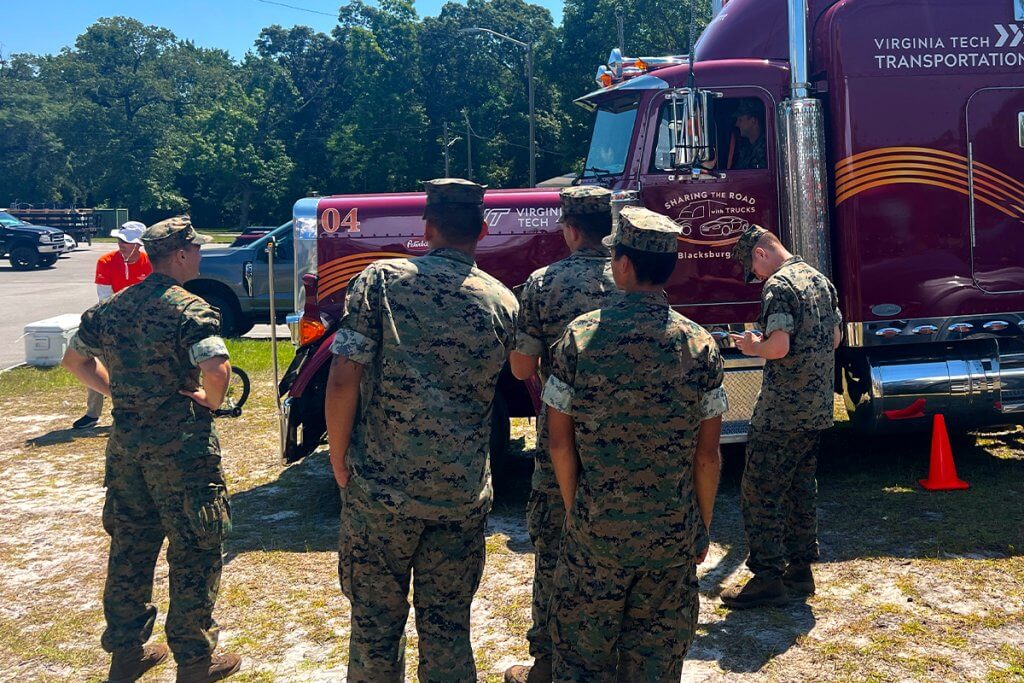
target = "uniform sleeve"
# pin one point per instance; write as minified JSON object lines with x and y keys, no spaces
{"x":558,"y":390}
{"x":779,"y":308}
{"x":835,"y":303}
{"x":713,"y":399}
{"x":199,"y":333}
{"x":359,"y":332}
{"x":86,"y":340}
{"x":529,"y":336}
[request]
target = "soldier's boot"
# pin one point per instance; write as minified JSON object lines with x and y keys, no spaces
{"x":214,"y":668}
{"x":540,"y":672}
{"x":799,"y":579}
{"x":127,"y":666}
{"x":757,"y":592}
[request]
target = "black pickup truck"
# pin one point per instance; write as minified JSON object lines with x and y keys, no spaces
{"x":29,"y":246}
{"x":234,"y":279}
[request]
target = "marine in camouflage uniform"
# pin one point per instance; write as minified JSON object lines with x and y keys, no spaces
{"x":551,"y":298}
{"x":779,"y":491}
{"x":431,"y":335}
{"x":637,"y":380}
{"x":163,"y":466}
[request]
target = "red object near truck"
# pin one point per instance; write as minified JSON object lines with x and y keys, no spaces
{"x":893,"y":138}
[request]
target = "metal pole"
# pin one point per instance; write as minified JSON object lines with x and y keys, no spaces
{"x":469,"y":146}
{"x":447,"y":162}
{"x":271,"y":246}
{"x":533,"y":116}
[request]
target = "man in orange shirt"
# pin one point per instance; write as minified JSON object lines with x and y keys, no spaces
{"x":126,"y":266}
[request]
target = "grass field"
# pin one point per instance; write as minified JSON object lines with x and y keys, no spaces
{"x":913,"y":585}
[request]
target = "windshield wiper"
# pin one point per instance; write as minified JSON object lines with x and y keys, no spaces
{"x":599,"y":174}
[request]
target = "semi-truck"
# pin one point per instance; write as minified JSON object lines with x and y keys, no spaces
{"x":882,"y":140}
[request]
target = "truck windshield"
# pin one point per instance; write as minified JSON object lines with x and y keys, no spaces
{"x":7,"y":220}
{"x":613,"y":129}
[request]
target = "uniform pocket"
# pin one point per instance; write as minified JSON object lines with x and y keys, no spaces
{"x":208,"y":510}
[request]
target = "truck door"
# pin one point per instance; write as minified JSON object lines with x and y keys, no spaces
{"x":739,"y":189}
{"x":284,"y":272}
{"x":995,"y":138}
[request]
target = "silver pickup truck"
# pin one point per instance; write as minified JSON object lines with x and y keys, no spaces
{"x":234,"y":279}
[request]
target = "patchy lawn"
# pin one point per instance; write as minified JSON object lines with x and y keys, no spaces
{"x":912,"y":586}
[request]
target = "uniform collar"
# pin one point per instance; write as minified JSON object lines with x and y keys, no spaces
{"x":791,"y":261}
{"x":452,"y":254}
{"x":156,"y":278}
{"x":591,"y":252}
{"x":658,"y":298}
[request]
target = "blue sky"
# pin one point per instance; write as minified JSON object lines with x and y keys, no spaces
{"x":45,"y":26}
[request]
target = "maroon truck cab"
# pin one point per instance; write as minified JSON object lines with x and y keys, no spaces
{"x":888,"y":151}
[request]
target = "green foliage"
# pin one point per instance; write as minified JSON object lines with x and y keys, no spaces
{"x":133,"y":116}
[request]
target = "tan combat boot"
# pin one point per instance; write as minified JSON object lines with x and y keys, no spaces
{"x":214,"y":668}
{"x":128,"y":666}
{"x":540,"y":672}
{"x":758,"y":591}
{"x":799,"y":579}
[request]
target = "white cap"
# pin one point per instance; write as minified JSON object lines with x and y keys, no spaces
{"x":130,"y":232}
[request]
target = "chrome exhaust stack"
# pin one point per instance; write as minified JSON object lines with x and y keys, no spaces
{"x":801,"y":145}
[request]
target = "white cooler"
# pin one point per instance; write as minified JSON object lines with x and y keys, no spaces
{"x":46,"y":340}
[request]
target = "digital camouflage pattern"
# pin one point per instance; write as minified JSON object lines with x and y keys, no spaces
{"x":795,"y":403}
{"x":635,"y":514}
{"x":447,"y":191}
{"x":744,"y":248}
{"x":581,"y":200}
{"x":797,"y":390}
{"x":779,"y":498}
{"x":432,"y":334}
{"x":378,"y":550}
{"x":618,"y":624}
{"x":553,"y":297}
{"x":636,"y":432}
{"x":163,"y":468}
{"x":171,"y":235}
{"x":645,"y":230}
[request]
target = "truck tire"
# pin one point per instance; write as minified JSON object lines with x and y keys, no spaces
{"x":24,"y":257}
{"x":47,"y":260}
{"x":501,"y":459}
{"x":232,"y":322}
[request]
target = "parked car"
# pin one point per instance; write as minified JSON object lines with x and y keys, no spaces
{"x":29,"y":246}
{"x":251,"y":234}
{"x":234,"y":280}
{"x":69,"y":243}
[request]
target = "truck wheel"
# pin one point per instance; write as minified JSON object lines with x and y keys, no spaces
{"x":500,"y":437}
{"x":24,"y":257}
{"x":47,"y":261}
{"x":232,"y":322}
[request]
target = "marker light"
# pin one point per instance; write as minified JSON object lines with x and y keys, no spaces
{"x":604,"y":76}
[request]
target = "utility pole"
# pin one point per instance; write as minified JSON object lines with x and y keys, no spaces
{"x":529,"y":89}
{"x":447,"y":162}
{"x":469,"y":146}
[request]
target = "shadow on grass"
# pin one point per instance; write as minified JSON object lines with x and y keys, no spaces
{"x":59,"y":436}
{"x":300,"y":510}
{"x":870,"y":503}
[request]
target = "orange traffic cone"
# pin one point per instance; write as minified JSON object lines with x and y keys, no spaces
{"x":942,"y":471}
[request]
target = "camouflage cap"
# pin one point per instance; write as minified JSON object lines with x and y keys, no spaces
{"x":453,"y":191}
{"x":583,"y":199}
{"x":171,"y":235}
{"x":645,"y":230}
{"x":745,"y":247}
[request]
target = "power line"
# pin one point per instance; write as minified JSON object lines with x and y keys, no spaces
{"x":300,"y":9}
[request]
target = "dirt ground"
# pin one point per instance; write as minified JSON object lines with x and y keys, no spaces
{"x":912,"y":585}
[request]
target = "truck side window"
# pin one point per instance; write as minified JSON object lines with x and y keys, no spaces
{"x":740,"y":143}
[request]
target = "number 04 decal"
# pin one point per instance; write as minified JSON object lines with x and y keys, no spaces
{"x":331,"y":220}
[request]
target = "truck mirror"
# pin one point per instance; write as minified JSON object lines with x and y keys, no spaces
{"x":691,"y":128}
